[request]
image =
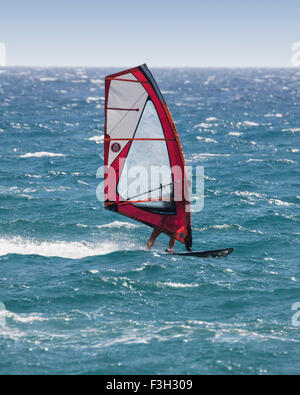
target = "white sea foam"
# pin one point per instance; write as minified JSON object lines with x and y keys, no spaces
{"x":168,"y":92}
{"x":278,"y":202}
{"x":61,"y":249}
{"x":48,"y":79}
{"x":41,"y":155}
{"x":210,"y":178}
{"x":292,"y":130}
{"x":178,"y":285}
{"x":220,"y":227}
{"x":118,"y":225}
{"x":204,"y":156}
{"x":82,"y":182}
{"x":236,"y":335}
{"x":203,"y":125}
{"x":273,"y":115}
{"x":57,"y":173}
{"x":94,"y":271}
{"x":97,"y":139}
{"x":254,"y":160}
{"x":26,"y":318}
{"x":249,"y":194}
{"x":97,"y":82}
{"x":93,"y":99}
{"x":206,"y":140}
{"x":237,"y":134}
{"x":269,"y":259}
{"x":248,"y":123}
{"x":289,"y":161}
{"x":215,"y":227}
{"x":33,"y":176}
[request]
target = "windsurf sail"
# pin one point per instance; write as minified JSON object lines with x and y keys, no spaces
{"x":146,"y":176}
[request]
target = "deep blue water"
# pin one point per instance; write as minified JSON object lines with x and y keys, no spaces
{"x":81,"y":294}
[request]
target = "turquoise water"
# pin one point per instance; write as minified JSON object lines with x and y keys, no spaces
{"x":81,"y":294}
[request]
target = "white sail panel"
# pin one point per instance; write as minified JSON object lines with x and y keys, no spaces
{"x":128,"y":76}
{"x":126,"y":101}
{"x":149,"y":155}
{"x":150,"y":125}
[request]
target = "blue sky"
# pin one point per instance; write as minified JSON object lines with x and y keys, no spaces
{"x":218,"y":33}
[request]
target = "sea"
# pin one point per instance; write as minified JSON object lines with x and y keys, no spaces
{"x":80,"y":295}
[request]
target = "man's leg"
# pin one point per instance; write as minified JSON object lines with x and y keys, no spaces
{"x":172,"y":244}
{"x":156,"y":232}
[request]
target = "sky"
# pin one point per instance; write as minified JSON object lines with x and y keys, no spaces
{"x":162,"y":33}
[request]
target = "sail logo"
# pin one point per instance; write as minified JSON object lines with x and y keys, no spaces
{"x":116,"y":147}
{"x":296,"y":316}
{"x":296,"y":55}
{"x":2,"y":314}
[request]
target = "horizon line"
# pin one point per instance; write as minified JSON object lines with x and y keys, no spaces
{"x":153,"y":67}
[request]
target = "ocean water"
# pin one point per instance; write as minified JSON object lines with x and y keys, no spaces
{"x":81,"y":294}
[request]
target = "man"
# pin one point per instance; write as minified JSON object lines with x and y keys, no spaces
{"x":156,"y":232}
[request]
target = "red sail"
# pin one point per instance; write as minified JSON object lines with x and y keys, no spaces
{"x":139,"y":131}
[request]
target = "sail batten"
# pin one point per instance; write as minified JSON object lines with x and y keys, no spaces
{"x":141,"y":138}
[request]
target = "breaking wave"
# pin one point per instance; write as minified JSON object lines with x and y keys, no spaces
{"x":60,"y":249}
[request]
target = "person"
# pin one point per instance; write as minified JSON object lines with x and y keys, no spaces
{"x":156,"y":232}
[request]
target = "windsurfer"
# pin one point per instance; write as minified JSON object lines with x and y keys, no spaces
{"x":156,"y":232}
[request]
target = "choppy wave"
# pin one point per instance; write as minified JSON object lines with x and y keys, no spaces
{"x":292,"y":130}
{"x":97,"y":139}
{"x":237,"y":134}
{"x":277,"y":115}
{"x":26,"y":318}
{"x":41,"y":155}
{"x":61,"y":249}
{"x":203,"y":125}
{"x":288,"y":161}
{"x":118,"y":225}
{"x":206,"y":140}
{"x":112,"y":225}
{"x":204,"y":156}
{"x":226,"y":227}
{"x":177,"y":285}
{"x":254,"y":160}
{"x":48,"y":79}
{"x":279,"y":202}
{"x":248,"y":124}
{"x":94,"y":99}
{"x":97,"y":82}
